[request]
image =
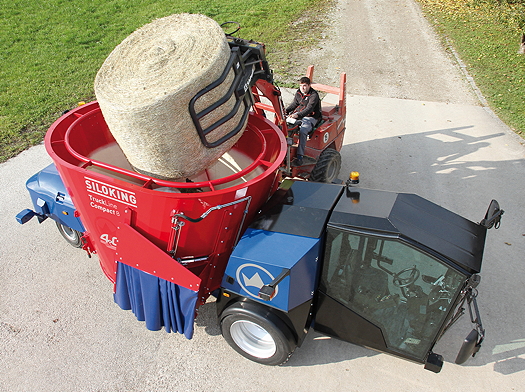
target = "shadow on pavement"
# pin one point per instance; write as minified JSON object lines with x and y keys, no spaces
{"x":463,"y":173}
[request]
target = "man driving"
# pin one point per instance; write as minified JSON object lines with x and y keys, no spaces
{"x":306,"y":107}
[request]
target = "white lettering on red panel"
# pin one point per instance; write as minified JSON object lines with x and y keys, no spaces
{"x":110,"y":192}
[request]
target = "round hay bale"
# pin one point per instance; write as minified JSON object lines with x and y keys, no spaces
{"x":144,"y":88}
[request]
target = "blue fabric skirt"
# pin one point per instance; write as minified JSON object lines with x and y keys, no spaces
{"x":156,"y":301}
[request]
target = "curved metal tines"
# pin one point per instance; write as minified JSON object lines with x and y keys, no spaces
{"x":240,"y":88}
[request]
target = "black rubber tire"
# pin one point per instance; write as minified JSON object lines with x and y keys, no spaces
{"x":256,"y":337}
{"x":327,"y":167}
{"x":73,"y":237}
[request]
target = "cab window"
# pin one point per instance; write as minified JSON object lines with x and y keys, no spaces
{"x":404,"y":291}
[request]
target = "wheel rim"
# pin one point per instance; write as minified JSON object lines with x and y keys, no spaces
{"x":69,"y":233}
{"x":253,"y":339}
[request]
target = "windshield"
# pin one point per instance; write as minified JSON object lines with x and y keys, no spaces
{"x":402,"y":290}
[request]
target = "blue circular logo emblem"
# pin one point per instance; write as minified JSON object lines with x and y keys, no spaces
{"x":252,"y":277}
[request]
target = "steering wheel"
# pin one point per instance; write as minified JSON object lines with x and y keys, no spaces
{"x":401,"y":281}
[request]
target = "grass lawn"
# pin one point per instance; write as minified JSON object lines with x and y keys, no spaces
{"x":486,"y":34}
{"x":50,"y":51}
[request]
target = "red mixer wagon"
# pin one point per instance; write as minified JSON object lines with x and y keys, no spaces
{"x":389,"y":271}
{"x":182,"y":233}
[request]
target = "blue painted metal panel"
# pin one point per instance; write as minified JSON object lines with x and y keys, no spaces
{"x":260,"y":256}
{"x":51,"y":199}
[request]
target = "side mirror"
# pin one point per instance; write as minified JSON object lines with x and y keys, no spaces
{"x":469,"y":348}
{"x":493,"y":216}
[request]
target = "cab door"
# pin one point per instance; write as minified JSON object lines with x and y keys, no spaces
{"x":384,"y":293}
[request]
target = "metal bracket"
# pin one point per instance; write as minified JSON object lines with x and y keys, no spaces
{"x":469,"y":295}
{"x":475,"y":317}
{"x":177,"y":224}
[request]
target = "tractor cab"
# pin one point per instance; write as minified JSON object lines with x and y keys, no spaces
{"x":388,"y":271}
{"x":396,"y":266}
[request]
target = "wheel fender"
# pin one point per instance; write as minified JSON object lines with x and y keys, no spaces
{"x":263,"y":311}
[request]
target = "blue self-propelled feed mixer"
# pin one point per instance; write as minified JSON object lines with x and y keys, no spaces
{"x":390,"y":271}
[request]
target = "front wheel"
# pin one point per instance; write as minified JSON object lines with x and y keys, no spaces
{"x":72,"y":236}
{"x":256,"y":338}
{"x":327,"y":167}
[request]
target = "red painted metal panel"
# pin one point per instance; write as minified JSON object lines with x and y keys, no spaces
{"x":131,"y":214}
{"x":136,"y":251}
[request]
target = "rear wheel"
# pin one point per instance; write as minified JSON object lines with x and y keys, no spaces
{"x":256,"y":337}
{"x":327,"y":167}
{"x":72,"y":236}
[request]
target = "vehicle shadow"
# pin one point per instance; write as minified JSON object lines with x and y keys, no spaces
{"x":319,"y":349}
{"x":207,"y":318}
{"x":463,"y":172}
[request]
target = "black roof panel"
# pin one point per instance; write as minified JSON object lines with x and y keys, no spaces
{"x":303,"y":209}
{"x":414,"y":218}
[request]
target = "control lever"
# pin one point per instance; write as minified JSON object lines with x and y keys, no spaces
{"x":267,"y":292}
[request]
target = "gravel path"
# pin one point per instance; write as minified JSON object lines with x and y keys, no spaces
{"x":388,"y":49}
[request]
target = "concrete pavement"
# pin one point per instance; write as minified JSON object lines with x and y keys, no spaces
{"x":60,"y":330}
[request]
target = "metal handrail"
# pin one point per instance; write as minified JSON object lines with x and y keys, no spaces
{"x":258,"y":161}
